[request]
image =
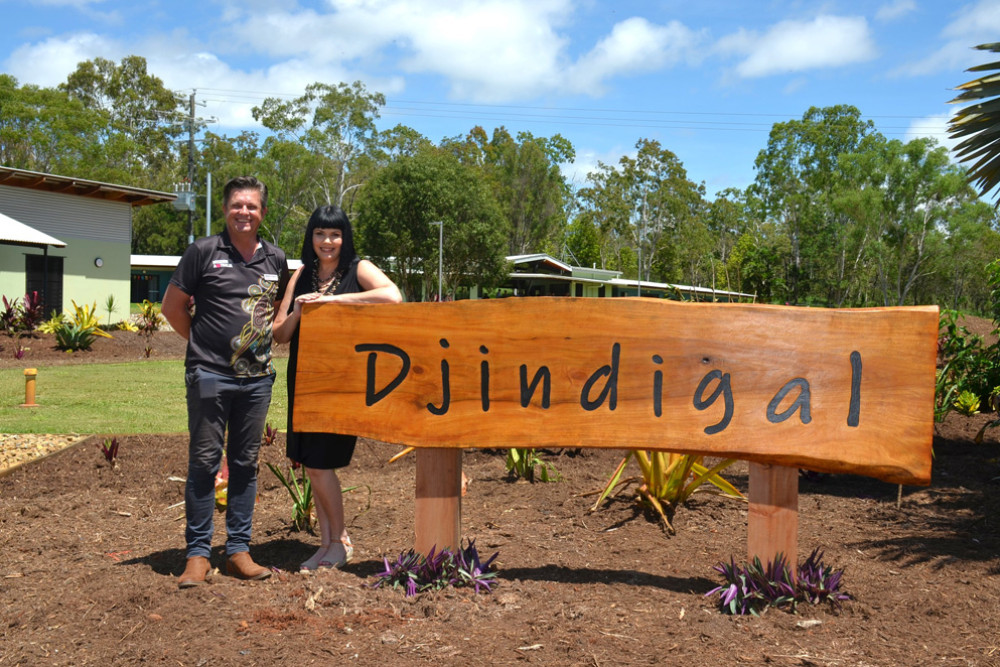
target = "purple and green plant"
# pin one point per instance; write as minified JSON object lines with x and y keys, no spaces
{"x":270,"y":435}
{"x":818,"y":583}
{"x":110,"y":450}
{"x":415,"y":573}
{"x":753,"y":588}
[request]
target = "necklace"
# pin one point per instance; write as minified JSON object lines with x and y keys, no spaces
{"x":329,"y":285}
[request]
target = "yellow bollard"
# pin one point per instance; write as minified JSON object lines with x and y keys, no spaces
{"x":29,"y":388}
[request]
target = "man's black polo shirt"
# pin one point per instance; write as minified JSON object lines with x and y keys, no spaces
{"x":234,"y":305}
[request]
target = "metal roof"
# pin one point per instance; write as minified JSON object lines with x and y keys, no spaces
{"x":35,"y":180}
{"x":13,"y":232}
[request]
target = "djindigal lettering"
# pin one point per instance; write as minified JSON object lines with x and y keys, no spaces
{"x":714,"y":386}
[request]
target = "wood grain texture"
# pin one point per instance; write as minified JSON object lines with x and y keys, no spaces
{"x":438,"y":500}
{"x":633,"y":373}
{"x":773,"y":513}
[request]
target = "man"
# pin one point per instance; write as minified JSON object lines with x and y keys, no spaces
{"x":234,"y":278}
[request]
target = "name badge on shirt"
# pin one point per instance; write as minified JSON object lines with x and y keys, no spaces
{"x":271,"y":276}
{"x":222,"y":264}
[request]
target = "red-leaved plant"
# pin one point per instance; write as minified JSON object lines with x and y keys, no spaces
{"x":110,"y":450}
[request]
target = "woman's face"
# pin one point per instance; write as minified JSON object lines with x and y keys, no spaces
{"x":326,"y":244}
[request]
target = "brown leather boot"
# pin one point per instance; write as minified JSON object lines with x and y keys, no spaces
{"x":194,"y":572}
{"x":240,"y":565}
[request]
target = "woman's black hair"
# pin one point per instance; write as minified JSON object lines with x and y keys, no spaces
{"x":325,"y":217}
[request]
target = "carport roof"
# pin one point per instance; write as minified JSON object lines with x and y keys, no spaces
{"x":13,"y":232}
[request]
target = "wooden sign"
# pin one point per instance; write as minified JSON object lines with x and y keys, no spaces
{"x":845,"y":390}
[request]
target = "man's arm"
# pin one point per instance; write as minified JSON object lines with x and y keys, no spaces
{"x":175,"y":309}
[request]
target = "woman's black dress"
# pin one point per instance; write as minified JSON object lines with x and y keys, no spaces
{"x":323,"y":451}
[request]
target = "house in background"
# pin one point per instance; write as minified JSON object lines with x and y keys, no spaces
{"x":531,"y":275}
{"x":67,"y":238}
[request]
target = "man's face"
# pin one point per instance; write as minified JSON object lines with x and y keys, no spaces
{"x":244,"y":213}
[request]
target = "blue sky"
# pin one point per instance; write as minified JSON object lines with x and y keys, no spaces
{"x":705,"y":78}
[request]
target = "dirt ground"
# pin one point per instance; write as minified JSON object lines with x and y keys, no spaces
{"x":89,"y":558}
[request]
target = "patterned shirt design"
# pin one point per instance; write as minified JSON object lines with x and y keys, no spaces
{"x":255,"y":336}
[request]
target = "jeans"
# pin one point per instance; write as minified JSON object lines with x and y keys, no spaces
{"x":215,"y":402}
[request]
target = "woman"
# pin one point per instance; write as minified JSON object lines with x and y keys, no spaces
{"x":331,"y":271}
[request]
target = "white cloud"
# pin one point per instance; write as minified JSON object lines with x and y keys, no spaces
{"x":587,"y":162}
{"x":935,"y":127}
{"x":50,"y":62}
{"x":895,"y":10}
{"x":796,"y":46}
{"x":634,"y":45}
{"x":487,"y":51}
{"x":973,"y":24}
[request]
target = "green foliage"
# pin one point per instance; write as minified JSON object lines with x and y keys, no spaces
{"x":110,"y":306}
{"x":967,"y":403}
{"x":667,"y":480}
{"x":527,"y":182}
{"x":80,"y":331}
{"x":301,"y":492}
{"x":647,"y":209}
{"x":394,"y":224}
{"x":525,"y":463}
{"x":51,"y":325}
{"x":966,"y":364}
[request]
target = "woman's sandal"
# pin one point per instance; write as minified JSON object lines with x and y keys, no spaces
{"x":338,"y":560}
{"x":314,"y":561}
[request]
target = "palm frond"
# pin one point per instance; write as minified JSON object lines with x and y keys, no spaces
{"x":978,"y":125}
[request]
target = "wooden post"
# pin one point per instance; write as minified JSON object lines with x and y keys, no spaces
{"x":29,"y":388}
{"x":438,"y":509}
{"x":773,"y":518}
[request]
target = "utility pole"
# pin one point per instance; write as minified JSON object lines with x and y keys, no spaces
{"x":191,"y":164}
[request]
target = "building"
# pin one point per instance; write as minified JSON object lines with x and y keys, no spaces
{"x":531,"y":275}
{"x":543,"y":275}
{"x":67,"y":238}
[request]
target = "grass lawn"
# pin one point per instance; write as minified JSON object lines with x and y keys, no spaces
{"x":114,"y":399}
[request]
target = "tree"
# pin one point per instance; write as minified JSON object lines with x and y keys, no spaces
{"x":398,"y":205}
{"x":42,"y":129}
{"x":646,"y":204}
{"x":144,"y":118}
{"x":921,"y":191}
{"x":978,"y":125}
{"x":798,"y":178}
{"x":336,"y":123}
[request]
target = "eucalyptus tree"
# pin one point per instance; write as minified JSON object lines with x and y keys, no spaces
{"x":144,"y":119}
{"x":527,"y":183}
{"x":726,"y":220}
{"x":647,"y":208}
{"x":43,"y":129}
{"x":969,"y":241}
{"x":396,"y":210}
{"x":921,"y":190}
{"x":798,"y":179}
{"x":336,"y":123}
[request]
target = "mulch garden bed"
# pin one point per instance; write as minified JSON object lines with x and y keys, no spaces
{"x":89,"y":558}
